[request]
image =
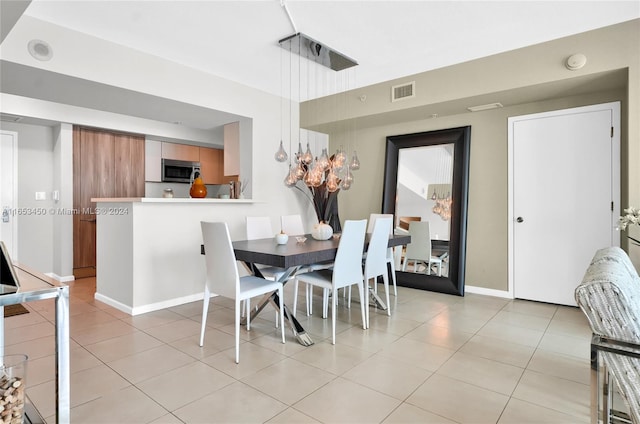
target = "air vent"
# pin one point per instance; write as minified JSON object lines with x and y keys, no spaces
{"x":7,"y":117}
{"x":403,"y":91}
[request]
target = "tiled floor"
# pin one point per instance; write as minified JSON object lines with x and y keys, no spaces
{"x":437,"y":359}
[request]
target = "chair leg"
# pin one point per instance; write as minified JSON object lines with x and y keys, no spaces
{"x":238,"y":309}
{"x":325,"y":302}
{"x":205,"y":310}
{"x":281,"y":301}
{"x":295,"y":298}
{"x":309,"y":296}
{"x":366,"y":302}
{"x":393,"y":275}
{"x":363,"y":303}
{"x":248,"y":303}
{"x":333,"y":315}
{"x":385,"y":278}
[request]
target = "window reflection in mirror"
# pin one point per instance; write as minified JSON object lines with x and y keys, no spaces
{"x":424,"y":194}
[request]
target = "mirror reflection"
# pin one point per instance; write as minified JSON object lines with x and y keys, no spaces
{"x":423,"y":207}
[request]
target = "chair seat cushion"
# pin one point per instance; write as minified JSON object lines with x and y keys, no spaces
{"x":321,"y":278}
{"x":251,"y":286}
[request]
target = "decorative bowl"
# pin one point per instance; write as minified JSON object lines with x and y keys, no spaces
{"x":301,"y":239}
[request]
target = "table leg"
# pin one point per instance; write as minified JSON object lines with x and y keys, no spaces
{"x":63,"y":384}
{"x":377,"y":301}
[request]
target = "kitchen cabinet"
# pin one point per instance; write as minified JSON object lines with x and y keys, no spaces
{"x":180,"y":152}
{"x":153,"y":158}
{"x":232,"y":149}
{"x":212,"y":166}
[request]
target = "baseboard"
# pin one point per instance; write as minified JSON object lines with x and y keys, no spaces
{"x":488,"y":292}
{"x":137,"y":310}
{"x":63,"y":279}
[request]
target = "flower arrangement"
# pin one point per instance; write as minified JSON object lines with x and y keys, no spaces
{"x":631,"y":217}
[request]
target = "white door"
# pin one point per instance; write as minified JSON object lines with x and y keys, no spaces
{"x":8,"y":184}
{"x":564,"y":183}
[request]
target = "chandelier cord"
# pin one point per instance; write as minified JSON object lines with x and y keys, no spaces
{"x":286,"y":9}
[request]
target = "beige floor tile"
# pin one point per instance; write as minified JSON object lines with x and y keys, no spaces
{"x":84,"y":321}
{"x":234,"y":403}
{"x":458,"y":401}
{"x":520,"y":412}
{"x":23,"y":320}
{"x":28,"y":332}
{"x":253,"y":358}
{"x":512,"y":333}
{"x":545,"y":310}
{"x":41,"y":370}
{"x":102,"y":332}
{"x":119,"y":347}
{"x":448,"y":337}
{"x":175,"y":330}
{"x":533,"y":322}
{"x":342,"y":401}
{"x":423,"y":355}
{"x":36,"y":348}
{"x":291,"y":415}
{"x":370,"y":340}
{"x":288,"y":380}
{"x":214,"y":342}
{"x":409,"y":414}
{"x":459,"y":322}
{"x":499,"y":350}
{"x":335,"y":359}
{"x":150,"y":363}
{"x":152,"y":319}
{"x":568,"y":313}
{"x":570,"y":328}
{"x":387,"y":375}
{"x":189,"y":309}
{"x":126,"y":406}
{"x":393,"y":324}
{"x":80,"y":359}
{"x":178,"y":387}
{"x":580,"y":347}
{"x":554,"y":393}
{"x":481,"y":372}
{"x":563,"y":366}
{"x":167,"y":419}
{"x":93,"y":383}
{"x":273,"y":342}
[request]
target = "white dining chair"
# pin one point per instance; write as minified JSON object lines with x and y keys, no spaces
{"x":292,"y":225}
{"x":346,"y":271}
{"x":222,"y":278}
{"x":419,"y":250}
{"x":376,"y":263}
{"x":259,"y":227}
{"x":390,"y":257}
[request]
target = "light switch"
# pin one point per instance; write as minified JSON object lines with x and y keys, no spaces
{"x":41,"y":195}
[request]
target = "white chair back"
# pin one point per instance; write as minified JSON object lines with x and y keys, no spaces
{"x":259,"y":227}
{"x":292,"y":225}
{"x":222,"y":272}
{"x":372,"y":220}
{"x":420,"y":246}
{"x":347,"y":268}
{"x":376,"y":262}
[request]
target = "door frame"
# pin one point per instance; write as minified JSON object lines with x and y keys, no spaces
{"x":13,"y":251}
{"x":614,"y":107}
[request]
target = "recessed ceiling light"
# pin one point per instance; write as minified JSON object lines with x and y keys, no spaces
{"x":40,"y":50}
{"x":484,"y":107}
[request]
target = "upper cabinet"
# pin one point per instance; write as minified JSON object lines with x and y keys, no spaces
{"x":232,"y":149}
{"x":153,"y":157}
{"x":212,"y":166}
{"x":180,"y":152}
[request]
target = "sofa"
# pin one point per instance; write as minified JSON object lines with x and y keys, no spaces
{"x":609,"y":296}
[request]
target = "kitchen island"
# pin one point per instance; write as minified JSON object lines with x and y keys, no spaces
{"x":148,"y":249}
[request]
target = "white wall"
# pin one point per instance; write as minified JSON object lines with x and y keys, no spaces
{"x":35,"y":174}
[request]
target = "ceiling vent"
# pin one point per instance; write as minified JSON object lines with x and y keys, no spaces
{"x":403,"y":91}
{"x":7,"y":117}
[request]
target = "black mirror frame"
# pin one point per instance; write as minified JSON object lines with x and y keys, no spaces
{"x":460,"y":137}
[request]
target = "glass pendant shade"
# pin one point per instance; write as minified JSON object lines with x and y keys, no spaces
{"x":299,"y":153}
{"x":324,"y":160}
{"x":290,"y":180}
{"x":355,"y":162}
{"x":281,"y":154}
{"x":308,"y":156}
{"x":299,"y":171}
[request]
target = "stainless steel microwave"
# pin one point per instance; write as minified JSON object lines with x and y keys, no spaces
{"x":179,"y":171}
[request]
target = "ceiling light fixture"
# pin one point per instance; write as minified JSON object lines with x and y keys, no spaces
{"x":321,"y":173}
{"x":40,"y":50}
{"x":484,"y":107}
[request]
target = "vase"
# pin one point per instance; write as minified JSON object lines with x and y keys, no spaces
{"x":198,"y":189}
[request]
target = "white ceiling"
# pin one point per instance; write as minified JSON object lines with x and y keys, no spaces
{"x":238,"y":40}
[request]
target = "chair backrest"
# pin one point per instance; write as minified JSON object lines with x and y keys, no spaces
{"x":372,"y":220}
{"x":347,"y":268}
{"x":222,"y":272}
{"x":376,"y":262}
{"x":292,"y":225}
{"x":420,"y":246}
{"x":259,"y":227}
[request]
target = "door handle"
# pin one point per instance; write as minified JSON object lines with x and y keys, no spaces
{"x":5,"y":214}
{"x":519,"y":219}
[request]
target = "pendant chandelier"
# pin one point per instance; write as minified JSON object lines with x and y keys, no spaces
{"x":335,"y":171}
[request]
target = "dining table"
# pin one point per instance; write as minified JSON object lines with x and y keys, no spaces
{"x":293,"y":257}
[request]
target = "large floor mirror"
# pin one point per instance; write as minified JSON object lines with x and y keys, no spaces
{"x":426,"y":189}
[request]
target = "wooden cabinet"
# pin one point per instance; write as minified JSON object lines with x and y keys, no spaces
{"x":105,"y":164}
{"x":152,"y":162}
{"x":212,"y":166}
{"x":232,"y":149}
{"x":180,"y":152}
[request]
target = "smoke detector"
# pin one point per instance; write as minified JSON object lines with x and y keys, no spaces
{"x":575,"y":62}
{"x":40,"y":50}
